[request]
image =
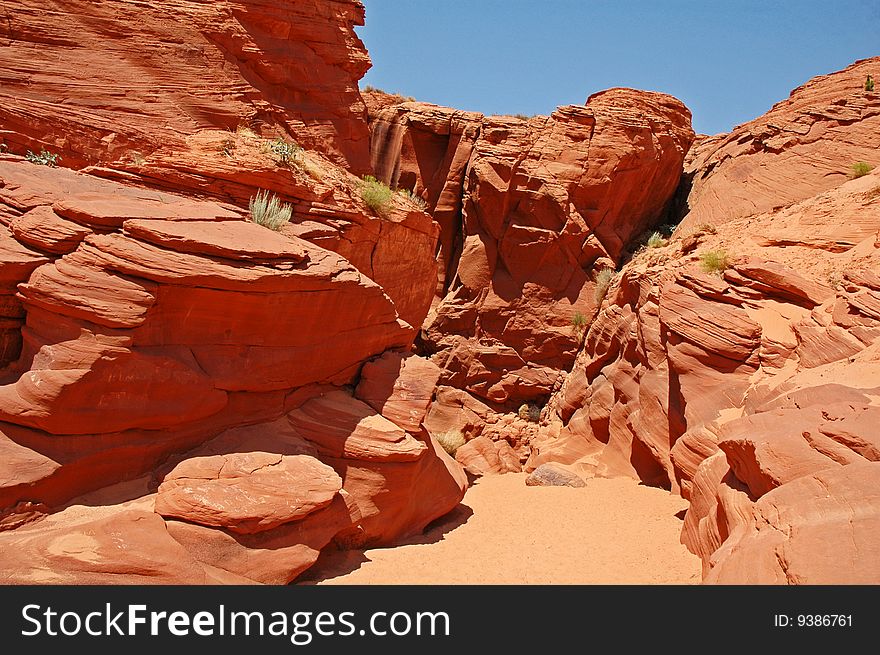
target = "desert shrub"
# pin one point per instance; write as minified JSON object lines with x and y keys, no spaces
{"x":869,"y":83}
{"x":228,"y":146}
{"x":523,"y":117}
{"x":656,"y":240}
{"x":603,"y":281}
{"x":714,"y":261}
{"x":284,"y":152}
{"x":450,"y":441}
{"x":45,"y":158}
{"x":534,"y":413}
{"x":376,"y":194}
{"x":835,"y":280}
{"x":267,"y":210}
{"x":859,"y":169}
{"x":578,"y":323}
{"x":418,"y":201}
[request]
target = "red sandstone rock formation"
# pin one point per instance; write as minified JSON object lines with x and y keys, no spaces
{"x":168,"y":325}
{"x":172,"y":68}
{"x":804,"y":145}
{"x":529,"y":211}
{"x":147,"y":96}
{"x":749,"y":391}
{"x":170,"y":367}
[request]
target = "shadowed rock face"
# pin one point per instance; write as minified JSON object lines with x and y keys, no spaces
{"x":170,"y":68}
{"x":529,"y":212}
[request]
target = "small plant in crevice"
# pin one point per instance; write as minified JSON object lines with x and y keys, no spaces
{"x":228,"y":147}
{"x":835,"y":280}
{"x":450,"y":441}
{"x":869,"y":83}
{"x":310,"y":168}
{"x":714,"y":261}
{"x":267,"y":210}
{"x":529,"y":412}
{"x":417,"y":200}
{"x":45,"y":158}
{"x":578,"y":324}
{"x":656,"y":240}
{"x":860,"y":169}
{"x":603,"y":282}
{"x":284,"y":152}
{"x":376,"y":194}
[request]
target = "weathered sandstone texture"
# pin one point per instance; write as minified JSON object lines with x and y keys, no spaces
{"x":151,"y":336}
{"x":530,"y":211}
{"x":752,"y":388}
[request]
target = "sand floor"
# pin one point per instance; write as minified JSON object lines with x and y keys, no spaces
{"x":613,"y":531}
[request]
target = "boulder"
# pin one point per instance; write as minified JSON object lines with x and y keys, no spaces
{"x":246,"y":492}
{"x":554,"y":475}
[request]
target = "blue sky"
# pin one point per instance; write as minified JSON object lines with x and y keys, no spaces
{"x":728,"y":60}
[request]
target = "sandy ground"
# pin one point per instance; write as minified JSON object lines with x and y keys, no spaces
{"x":613,"y":531}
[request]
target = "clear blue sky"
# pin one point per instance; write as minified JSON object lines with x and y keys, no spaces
{"x":728,"y":60}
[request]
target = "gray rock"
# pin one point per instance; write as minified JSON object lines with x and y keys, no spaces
{"x":554,"y":475}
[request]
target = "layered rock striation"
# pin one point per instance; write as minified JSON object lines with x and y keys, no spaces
{"x":805,"y":145}
{"x":738,"y":366}
{"x":171,"y":68}
{"x":530,"y":211}
{"x":148,"y":330}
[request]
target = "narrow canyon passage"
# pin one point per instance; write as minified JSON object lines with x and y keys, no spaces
{"x":613,"y":531}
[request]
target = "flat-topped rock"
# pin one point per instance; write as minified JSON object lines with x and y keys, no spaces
{"x":246,"y":492}
{"x":43,"y":229}
{"x":241,"y":240}
{"x":96,"y":202}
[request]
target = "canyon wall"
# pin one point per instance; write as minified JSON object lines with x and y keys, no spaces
{"x":738,"y":363}
{"x":190,"y":397}
{"x":96,"y":81}
{"x":530,"y":212}
{"x":166,"y":341}
{"x":805,"y":144}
